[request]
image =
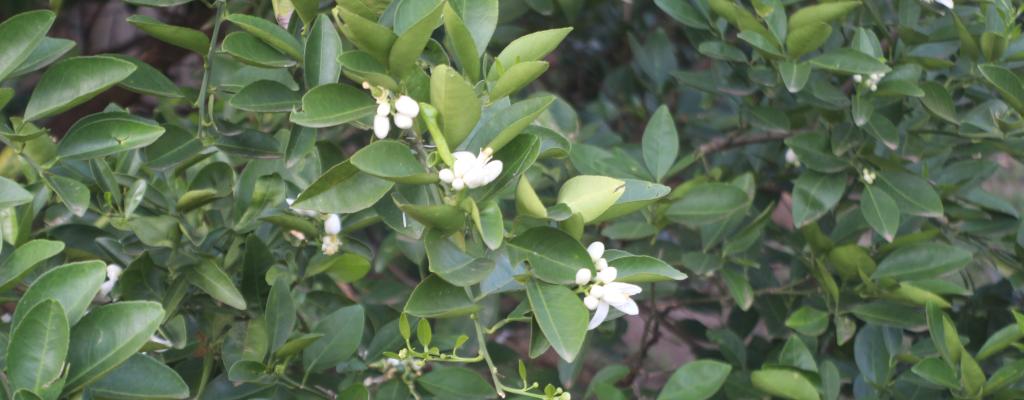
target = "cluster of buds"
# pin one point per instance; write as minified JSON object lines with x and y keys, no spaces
{"x":332,"y":227}
{"x":871,"y":81}
{"x":602,"y":291}
{"x":113,"y":274}
{"x":471,"y":171}
{"x":868,"y":176}
{"x":393,"y":367}
{"x":405,"y":111}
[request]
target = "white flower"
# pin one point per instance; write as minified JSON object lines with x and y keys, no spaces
{"x":791,"y":158}
{"x":403,"y":121}
{"x":381,"y":126}
{"x":332,"y":225}
{"x":614,"y":294}
{"x":331,"y":244}
{"x":383,"y":109}
{"x":6,"y":318}
{"x":470,"y":170}
{"x":405,"y":105}
{"x":868,"y":176}
{"x":583,"y":276}
{"x":113,"y":274}
{"x":596,"y":250}
{"x":607,"y":275}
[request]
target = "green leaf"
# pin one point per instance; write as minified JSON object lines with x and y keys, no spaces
{"x":696,"y":380}
{"x":561,"y":315}
{"x":490,"y":224}
{"x":74,"y":81}
{"x":644,"y":269}
{"x":74,"y":194}
{"x":186,"y":38}
{"x":107,"y":133}
{"x":270,"y":33}
{"x":1010,"y":373}
{"x":637,"y":195}
{"x":481,"y":18}
{"x":343,"y":189}
{"x":850,"y":61}
{"x":682,"y":11}
{"x":148,"y":80}
{"x":24,"y":259}
{"x":158,"y":3}
{"x":820,"y":13}
{"x":706,"y":203}
{"x":107,"y":337}
{"x":531,"y":47}
{"x":333,"y":104}
{"x":435,"y":298}
{"x":796,"y":354}
{"x":265,"y":96}
{"x":851,"y":260}
{"x":72,"y":285}
{"x":323,"y":47}
{"x":503,"y":126}
{"x":938,"y":100}
{"x":12,"y":194}
{"x":922,"y":261}
{"x":253,"y":51}
{"x":807,"y":39}
{"x":815,"y":194}
{"x":913,"y":194}
{"x":517,"y":77}
{"x":460,"y":40}
{"x":37,"y":348}
{"x":1000,"y":340}
{"x":368,"y":35}
{"x":452,"y":264}
{"x":212,"y":280}
{"x":739,"y":287}
{"x":889,"y":314}
{"x":880,"y":211}
{"x":784,"y":383}
{"x":1007,"y":83}
{"x":808,"y":321}
{"x":410,"y":43}
{"x":280,"y":314}
{"x":141,"y":377}
{"x":554,"y":256}
{"x":391,"y":160}
{"x":794,"y":75}
{"x":343,"y":331}
{"x":22,"y":33}
{"x":936,"y":371}
{"x":590,"y":195}
{"x":972,"y":377}
{"x":456,"y":383}
{"x":46,"y":52}
{"x":660,"y":143}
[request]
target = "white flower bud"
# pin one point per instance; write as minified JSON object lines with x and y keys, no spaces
{"x":598,"y":291}
{"x":607,"y":275}
{"x":332,"y":225}
{"x":583,"y":276}
{"x":601,"y":264}
{"x":403,"y":121}
{"x":114,"y":271}
{"x":591,"y":302}
{"x":596,"y":250}
{"x":446,"y":175}
{"x":381,"y":126}
{"x":458,"y":184}
{"x":407,"y":106}
{"x":6,"y":318}
{"x":383,"y":109}
{"x":857,"y":78}
{"x":792,"y":158}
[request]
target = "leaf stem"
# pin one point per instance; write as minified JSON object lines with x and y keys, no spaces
{"x":202,"y":100}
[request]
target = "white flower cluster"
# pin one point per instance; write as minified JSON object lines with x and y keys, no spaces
{"x":946,"y":3}
{"x":604,"y":291}
{"x":868,"y":176}
{"x":332,"y":227}
{"x":871,"y":81}
{"x":113,"y":274}
{"x":470,"y":170}
{"x":406,"y":110}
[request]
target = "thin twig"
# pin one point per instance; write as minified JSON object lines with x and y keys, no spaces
{"x":734,"y":140}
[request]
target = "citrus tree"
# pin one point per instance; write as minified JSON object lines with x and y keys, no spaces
{"x":439,"y":199}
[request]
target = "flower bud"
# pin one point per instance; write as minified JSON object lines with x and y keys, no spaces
{"x":601,"y":264}
{"x":381,"y":126}
{"x":591,"y":302}
{"x":596,"y":250}
{"x":458,"y":184}
{"x":597,"y":291}
{"x":383,"y":109}
{"x":857,"y":78}
{"x":607,"y":275}
{"x":407,"y":106}
{"x":583,"y":276}
{"x":403,"y":121}
{"x":332,"y":225}
{"x":446,"y":175}
{"x":114,"y":271}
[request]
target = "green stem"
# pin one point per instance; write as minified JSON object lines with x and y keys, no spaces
{"x":296,"y":385}
{"x":482,"y":343}
{"x":504,"y":322}
{"x":201,"y":101}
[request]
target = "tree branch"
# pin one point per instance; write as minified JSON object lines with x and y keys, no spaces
{"x":734,"y":140}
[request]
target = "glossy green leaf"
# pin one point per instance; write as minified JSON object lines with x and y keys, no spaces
{"x":107,"y":133}
{"x":937,"y":371}
{"x":74,"y":81}
{"x":849,"y":61}
{"x":457,"y":103}
{"x":460,"y":40}
{"x":343,"y":189}
{"x":807,"y":39}
{"x":269,"y":33}
{"x":148,"y":80}
{"x":880,"y":211}
{"x":1007,"y":83}
{"x":913,"y":194}
{"x":456,"y":383}
{"x":820,"y":13}
{"x":141,"y":377}
{"x":637,"y":195}
{"x":517,"y":77}
{"x":212,"y":280}
{"x":435,"y":298}
{"x":561,"y":317}
{"x":795,"y":75}
{"x":24,"y":259}
{"x":74,"y":194}
{"x":410,"y":42}
{"x":343,"y":331}
{"x":265,"y":96}
{"x":590,"y":195}
{"x":784,"y":383}
{"x":46,"y":52}
{"x":938,"y":100}
{"x":707,"y":203}
{"x":323,"y":47}
{"x":554,"y":256}
{"x":391,"y":160}
{"x":503,"y":127}
{"x":367,"y":35}
{"x":22,"y":33}
{"x":107,"y":337}
{"x":808,"y":321}
{"x":249,"y":49}
{"x":643,"y":269}
{"x":37,"y":348}
{"x":660,"y":143}
{"x":186,"y":38}
{"x":814,"y":195}
{"x":333,"y":104}
{"x":531,"y":47}
{"x":72,"y":285}
{"x":280,"y":314}
{"x":695,"y":380}
{"x":12,"y":194}
{"x":922,"y":261}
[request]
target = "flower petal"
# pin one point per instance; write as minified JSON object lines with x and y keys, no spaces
{"x":599,"y":315}
{"x":627,"y":307}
